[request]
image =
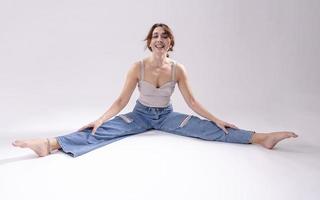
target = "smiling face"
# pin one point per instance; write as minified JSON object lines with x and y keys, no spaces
{"x":160,"y":39}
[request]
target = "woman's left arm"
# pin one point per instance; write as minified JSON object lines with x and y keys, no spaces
{"x":182,"y":79}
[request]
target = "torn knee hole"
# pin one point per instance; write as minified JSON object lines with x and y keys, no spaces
{"x":185,"y":121}
{"x":126,"y":118}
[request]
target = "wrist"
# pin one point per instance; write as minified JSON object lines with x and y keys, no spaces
{"x":101,"y":119}
{"x":215,"y":120}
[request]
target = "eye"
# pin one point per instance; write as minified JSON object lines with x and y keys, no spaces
{"x":165,"y":36}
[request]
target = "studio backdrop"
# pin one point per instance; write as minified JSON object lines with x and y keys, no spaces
{"x":63,"y":63}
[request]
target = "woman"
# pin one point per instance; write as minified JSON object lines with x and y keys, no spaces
{"x":156,"y":77}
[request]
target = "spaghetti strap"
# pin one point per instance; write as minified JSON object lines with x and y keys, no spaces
{"x":156,"y":96}
{"x":141,"y":70}
{"x":173,"y":71}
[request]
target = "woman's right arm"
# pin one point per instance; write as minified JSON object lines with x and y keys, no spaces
{"x":125,"y":95}
{"x":123,"y":99}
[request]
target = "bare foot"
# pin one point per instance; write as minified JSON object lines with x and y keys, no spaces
{"x":39,"y":146}
{"x":273,"y":138}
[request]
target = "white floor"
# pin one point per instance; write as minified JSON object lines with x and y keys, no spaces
{"x":158,"y":165}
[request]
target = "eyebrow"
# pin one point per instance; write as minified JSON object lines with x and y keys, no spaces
{"x":164,"y":33}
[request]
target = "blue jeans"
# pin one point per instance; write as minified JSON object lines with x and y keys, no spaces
{"x":144,"y":118}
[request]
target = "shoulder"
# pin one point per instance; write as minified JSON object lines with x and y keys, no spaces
{"x":181,"y":71}
{"x":136,"y":65}
{"x":134,"y":70}
{"x":179,"y":66}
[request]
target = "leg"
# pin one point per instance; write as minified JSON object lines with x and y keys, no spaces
{"x":193,"y":126}
{"x":80,"y":142}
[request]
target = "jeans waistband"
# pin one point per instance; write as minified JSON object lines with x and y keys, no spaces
{"x":148,"y":108}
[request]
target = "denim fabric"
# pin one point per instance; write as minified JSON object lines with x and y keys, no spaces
{"x":144,"y":118}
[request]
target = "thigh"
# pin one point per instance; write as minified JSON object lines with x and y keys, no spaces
{"x":193,"y":126}
{"x":121,"y":125}
{"x":188,"y":125}
{"x":118,"y":127}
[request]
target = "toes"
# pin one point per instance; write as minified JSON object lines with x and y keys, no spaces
{"x":292,"y":134}
{"x":19,"y":143}
{"x":16,"y":143}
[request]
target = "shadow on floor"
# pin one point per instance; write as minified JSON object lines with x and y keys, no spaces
{"x":19,"y":158}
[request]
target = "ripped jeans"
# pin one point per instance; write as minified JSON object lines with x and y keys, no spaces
{"x":142,"y":119}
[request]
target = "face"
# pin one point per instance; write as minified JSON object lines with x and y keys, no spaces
{"x":160,"y":42}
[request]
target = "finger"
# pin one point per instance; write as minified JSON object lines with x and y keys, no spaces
{"x":224,"y":129}
{"x":233,"y":126}
{"x":93,"y":132}
{"x":230,"y":125}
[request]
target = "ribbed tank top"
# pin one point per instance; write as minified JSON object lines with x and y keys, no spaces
{"x":152,"y":96}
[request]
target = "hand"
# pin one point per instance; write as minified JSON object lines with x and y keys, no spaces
{"x":223,"y":125}
{"x":95,"y":125}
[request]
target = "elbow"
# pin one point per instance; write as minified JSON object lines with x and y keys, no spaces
{"x":192,"y":103}
{"x":122,"y":102}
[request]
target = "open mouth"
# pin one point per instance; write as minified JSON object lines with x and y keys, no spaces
{"x":160,"y":46}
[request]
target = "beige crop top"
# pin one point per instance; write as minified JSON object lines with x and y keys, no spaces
{"x":156,"y":97}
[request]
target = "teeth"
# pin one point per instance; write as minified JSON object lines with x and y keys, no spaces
{"x":159,"y":45}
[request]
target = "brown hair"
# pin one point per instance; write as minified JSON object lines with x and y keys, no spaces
{"x":167,"y":31}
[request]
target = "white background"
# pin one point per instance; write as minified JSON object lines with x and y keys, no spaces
{"x":253,"y":63}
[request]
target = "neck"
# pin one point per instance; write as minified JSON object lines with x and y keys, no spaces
{"x":158,"y":60}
